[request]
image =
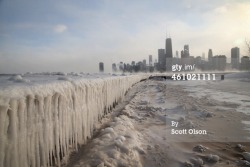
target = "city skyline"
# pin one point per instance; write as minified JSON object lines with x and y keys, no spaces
{"x":75,"y":36}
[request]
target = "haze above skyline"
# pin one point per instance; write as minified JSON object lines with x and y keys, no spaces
{"x":40,"y":36}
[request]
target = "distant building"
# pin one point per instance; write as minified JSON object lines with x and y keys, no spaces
{"x":219,"y":62}
{"x":177,"y":54}
{"x":161,"y":60}
{"x":150,"y":60}
{"x":133,"y":63}
{"x":222,"y":62}
{"x":210,"y":55}
{"x":245,"y":63}
{"x":191,"y":60}
{"x":114,"y":68}
{"x":169,"y":54}
{"x":203,"y":56}
{"x":121,"y":66}
{"x":139,"y":66}
{"x":182,"y":54}
{"x":198,"y":61}
{"x":168,"y":48}
{"x":186,"y":51}
{"x":175,"y":61}
{"x":101,"y":67}
{"x":185,"y":56}
{"x":125,"y":67}
{"x":235,"y":57}
{"x":144,"y":65}
{"x":156,"y":64}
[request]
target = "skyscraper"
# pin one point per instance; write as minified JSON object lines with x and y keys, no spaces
{"x":177,"y":54}
{"x":203,"y":56}
{"x":210,"y":55}
{"x":101,"y":67}
{"x":235,"y":57}
{"x":245,"y":63}
{"x":186,"y":51}
{"x":168,"y":48}
{"x":169,"y":54}
{"x":182,"y":54}
{"x":150,"y":60}
{"x":161,"y":60}
{"x":219,"y":62}
{"x":114,"y":69}
{"x":121,"y":66}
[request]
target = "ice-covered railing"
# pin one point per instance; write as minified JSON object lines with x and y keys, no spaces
{"x":39,"y":124}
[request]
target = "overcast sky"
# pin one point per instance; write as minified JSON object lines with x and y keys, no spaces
{"x":75,"y":35}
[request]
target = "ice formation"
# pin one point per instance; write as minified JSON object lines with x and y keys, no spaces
{"x":18,"y":78}
{"x":39,"y":124}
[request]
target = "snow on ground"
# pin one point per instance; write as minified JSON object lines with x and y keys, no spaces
{"x":118,"y":145}
{"x":141,"y":133}
{"x":46,"y":116}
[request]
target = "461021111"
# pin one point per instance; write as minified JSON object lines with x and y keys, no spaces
{"x":193,"y":77}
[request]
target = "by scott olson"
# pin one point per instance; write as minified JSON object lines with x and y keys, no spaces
{"x":193,"y":77}
{"x":189,"y":131}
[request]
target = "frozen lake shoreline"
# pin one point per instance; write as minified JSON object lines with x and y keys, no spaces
{"x":40,"y":123}
{"x":44,"y":118}
{"x":141,"y":134}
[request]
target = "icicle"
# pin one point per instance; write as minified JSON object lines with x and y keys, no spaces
{"x":3,"y":131}
{"x":39,"y":124}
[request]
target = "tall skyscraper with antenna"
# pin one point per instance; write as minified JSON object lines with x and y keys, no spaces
{"x":168,"y":48}
{"x":168,"y":53}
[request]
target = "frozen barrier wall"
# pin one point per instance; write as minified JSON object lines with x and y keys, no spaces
{"x":39,"y":124}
